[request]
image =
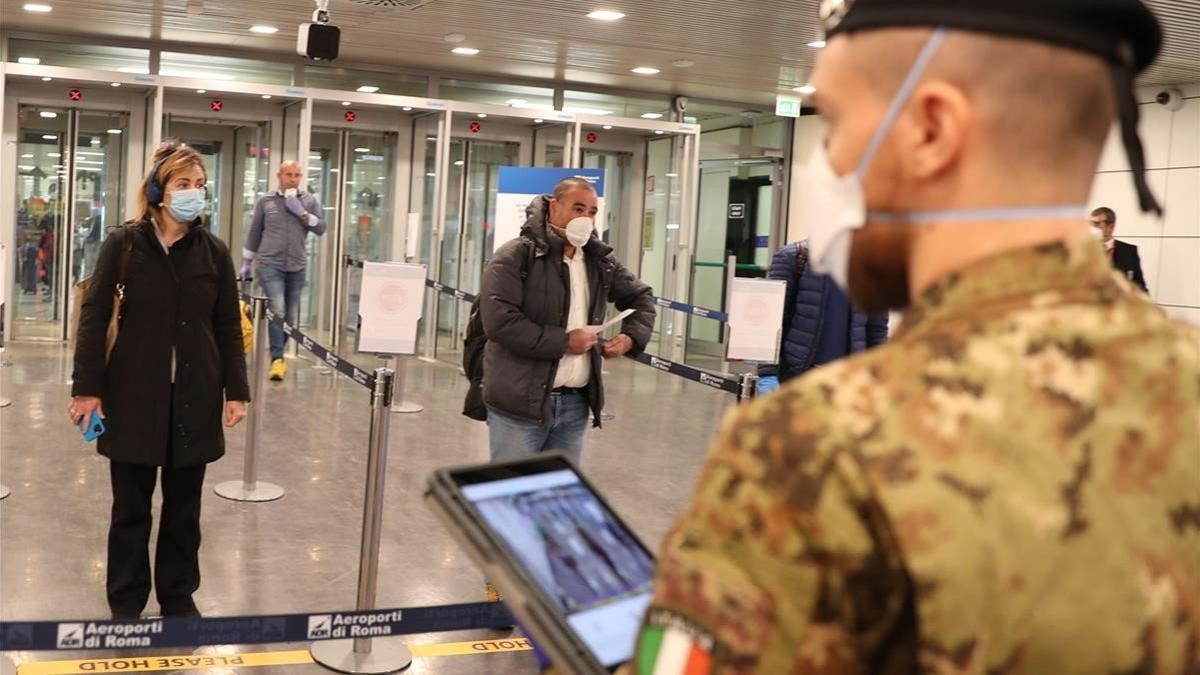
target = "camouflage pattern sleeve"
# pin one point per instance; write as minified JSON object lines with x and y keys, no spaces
{"x":777,"y":555}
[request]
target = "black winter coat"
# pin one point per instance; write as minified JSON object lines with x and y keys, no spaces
{"x":1126,"y":260}
{"x":524,"y":314}
{"x":803,"y":322}
{"x":186,"y":301}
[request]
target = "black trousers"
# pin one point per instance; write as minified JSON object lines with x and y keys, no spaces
{"x":177,"y":556}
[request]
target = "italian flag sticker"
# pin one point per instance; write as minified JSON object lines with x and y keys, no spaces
{"x":671,"y":644}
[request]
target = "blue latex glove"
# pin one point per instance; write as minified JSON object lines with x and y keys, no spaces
{"x":767,"y":385}
{"x":245,"y":274}
{"x":295,"y":207}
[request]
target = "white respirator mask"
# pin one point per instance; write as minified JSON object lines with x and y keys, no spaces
{"x":579,"y":231}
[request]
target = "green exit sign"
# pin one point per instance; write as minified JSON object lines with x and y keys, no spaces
{"x":787,"y":107}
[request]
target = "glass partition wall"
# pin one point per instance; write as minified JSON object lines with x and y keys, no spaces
{"x":71,"y":164}
{"x":359,"y":159}
{"x":398,"y":179}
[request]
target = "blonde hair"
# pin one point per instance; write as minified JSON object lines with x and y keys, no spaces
{"x":171,"y":157}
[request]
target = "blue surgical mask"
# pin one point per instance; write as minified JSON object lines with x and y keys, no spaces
{"x":186,"y":205}
{"x":833,"y":206}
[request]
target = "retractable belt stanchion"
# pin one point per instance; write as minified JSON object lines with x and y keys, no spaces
{"x":335,"y":338}
{"x":370,"y":655}
{"x":4,"y":400}
{"x":249,"y":488}
{"x":4,"y":403}
{"x":749,"y":384}
{"x":399,"y":405}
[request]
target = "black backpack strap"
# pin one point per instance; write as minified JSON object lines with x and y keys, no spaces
{"x":801,"y":257}
{"x":530,"y":254}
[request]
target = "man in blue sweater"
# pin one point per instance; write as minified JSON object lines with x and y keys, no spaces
{"x":819,"y":325}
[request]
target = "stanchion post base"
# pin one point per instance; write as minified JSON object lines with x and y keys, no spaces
{"x":236,"y":490}
{"x":407,"y":407}
{"x":5,"y":402}
{"x":4,"y":491}
{"x":388,"y":655}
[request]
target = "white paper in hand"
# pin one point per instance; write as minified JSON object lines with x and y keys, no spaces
{"x":611,"y":322}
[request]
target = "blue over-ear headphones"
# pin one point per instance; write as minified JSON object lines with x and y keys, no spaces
{"x":155,"y":192}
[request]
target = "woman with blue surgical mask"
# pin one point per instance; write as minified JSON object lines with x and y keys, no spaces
{"x":162,"y":389}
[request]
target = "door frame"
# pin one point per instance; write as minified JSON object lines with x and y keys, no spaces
{"x":155,"y":102}
{"x":15,"y":95}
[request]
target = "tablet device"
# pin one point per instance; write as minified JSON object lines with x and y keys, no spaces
{"x":568,"y":567}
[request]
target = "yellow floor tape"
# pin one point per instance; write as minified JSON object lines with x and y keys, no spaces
{"x":146,"y":664}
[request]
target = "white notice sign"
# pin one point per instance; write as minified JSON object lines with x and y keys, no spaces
{"x":755,"y":320}
{"x":390,"y":306}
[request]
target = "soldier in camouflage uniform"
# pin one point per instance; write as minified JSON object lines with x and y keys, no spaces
{"x":1012,"y":484}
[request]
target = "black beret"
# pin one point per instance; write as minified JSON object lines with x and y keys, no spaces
{"x":1123,"y":32}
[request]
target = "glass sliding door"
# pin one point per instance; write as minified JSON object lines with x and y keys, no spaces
{"x":69,"y":187}
{"x":738,"y":209}
{"x":618,"y":170}
{"x":447,"y":314}
{"x":322,"y":179}
{"x":484,"y":160}
{"x":470,"y":217}
{"x":366,"y":212}
{"x":43,"y":151}
{"x":99,"y":190}
{"x":369,"y":211}
{"x":252,"y":180}
{"x":660,"y":233}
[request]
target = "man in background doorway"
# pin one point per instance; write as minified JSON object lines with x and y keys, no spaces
{"x":1123,"y":256}
{"x":819,"y":324}
{"x":276,"y":240}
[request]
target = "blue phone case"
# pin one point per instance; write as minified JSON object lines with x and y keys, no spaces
{"x":94,"y":428}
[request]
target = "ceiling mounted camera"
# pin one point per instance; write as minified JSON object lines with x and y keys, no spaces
{"x":319,"y":40}
{"x":1171,"y":99}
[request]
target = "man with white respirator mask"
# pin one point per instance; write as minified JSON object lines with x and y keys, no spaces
{"x":277,"y":241}
{"x":541,"y":291}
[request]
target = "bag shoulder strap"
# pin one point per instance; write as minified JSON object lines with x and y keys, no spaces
{"x":530,"y":252}
{"x":126,"y":253}
{"x":801,"y":257}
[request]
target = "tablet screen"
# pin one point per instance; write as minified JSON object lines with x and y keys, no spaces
{"x":582,"y":557}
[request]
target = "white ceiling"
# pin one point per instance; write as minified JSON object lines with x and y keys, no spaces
{"x":742,"y":50}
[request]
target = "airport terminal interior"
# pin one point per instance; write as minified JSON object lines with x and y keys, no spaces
{"x":697,"y":116}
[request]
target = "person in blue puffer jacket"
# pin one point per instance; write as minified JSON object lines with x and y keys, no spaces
{"x":819,"y":325}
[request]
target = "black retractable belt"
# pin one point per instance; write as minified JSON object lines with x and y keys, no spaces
{"x":246,"y":630}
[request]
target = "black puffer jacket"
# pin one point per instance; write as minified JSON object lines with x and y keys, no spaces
{"x":186,"y":301}
{"x":524,"y":314}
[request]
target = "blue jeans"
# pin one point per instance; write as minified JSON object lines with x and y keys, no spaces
{"x":283,"y":297}
{"x":512,"y":438}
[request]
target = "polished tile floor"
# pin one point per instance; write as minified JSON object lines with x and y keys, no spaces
{"x":300,"y":554}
